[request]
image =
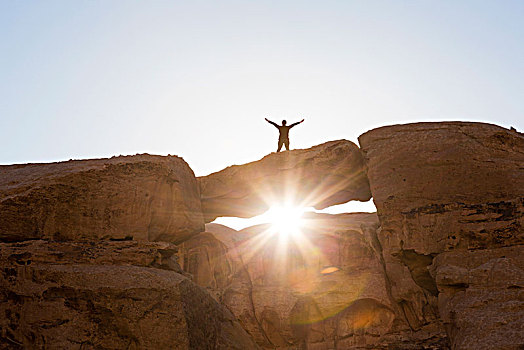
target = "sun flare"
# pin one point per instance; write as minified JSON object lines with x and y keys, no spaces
{"x":285,"y":220}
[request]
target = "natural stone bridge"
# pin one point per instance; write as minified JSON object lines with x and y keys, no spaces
{"x":321,"y":176}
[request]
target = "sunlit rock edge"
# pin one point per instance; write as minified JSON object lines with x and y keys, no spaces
{"x":321,"y":176}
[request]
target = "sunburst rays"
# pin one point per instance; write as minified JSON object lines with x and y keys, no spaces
{"x":298,"y":253}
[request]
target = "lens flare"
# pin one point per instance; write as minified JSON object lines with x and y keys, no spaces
{"x":329,"y":269}
{"x":285,"y":220}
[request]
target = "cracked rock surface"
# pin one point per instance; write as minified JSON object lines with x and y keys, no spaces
{"x":114,"y":296}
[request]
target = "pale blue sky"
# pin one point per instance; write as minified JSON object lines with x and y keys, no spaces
{"x":83,"y":79}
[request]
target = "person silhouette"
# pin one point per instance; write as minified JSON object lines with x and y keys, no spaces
{"x":283,"y":132}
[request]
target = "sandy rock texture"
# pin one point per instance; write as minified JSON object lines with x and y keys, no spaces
{"x":450,"y":199}
{"x":321,"y":176}
{"x":113,"y":253}
{"x":435,"y":175}
{"x":323,"y":289}
{"x":119,"y":295}
{"x":481,"y":298}
{"x":142,"y":197}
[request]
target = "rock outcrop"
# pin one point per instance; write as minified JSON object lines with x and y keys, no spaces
{"x":323,"y":289}
{"x":461,"y":184}
{"x":481,"y":299}
{"x":321,"y":176}
{"x":111,"y":253}
{"x":142,"y":197}
{"x":80,"y":270}
{"x":450,"y":198}
{"x":113,"y":295}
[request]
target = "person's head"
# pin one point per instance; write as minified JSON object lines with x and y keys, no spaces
{"x":284,"y":122}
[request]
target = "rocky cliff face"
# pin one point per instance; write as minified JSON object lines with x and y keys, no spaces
{"x":143,"y":197}
{"x":450,"y":201}
{"x":445,"y":255}
{"x":325,"y":288}
{"x":430,"y":177}
{"x":115,"y":295}
{"x":96,"y":280}
{"x":112,"y":253}
{"x":321,"y":176}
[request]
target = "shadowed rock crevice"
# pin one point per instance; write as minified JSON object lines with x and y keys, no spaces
{"x":418,"y":267}
{"x":252,"y":307}
{"x":375,"y":243}
{"x":408,"y":322}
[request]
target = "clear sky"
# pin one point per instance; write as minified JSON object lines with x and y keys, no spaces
{"x":84,"y":79}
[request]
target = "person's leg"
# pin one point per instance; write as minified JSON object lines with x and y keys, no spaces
{"x":286,"y":143}
{"x":280,"y":143}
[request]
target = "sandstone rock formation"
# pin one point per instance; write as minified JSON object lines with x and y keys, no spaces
{"x":481,"y":299}
{"x":113,"y":295}
{"x":120,"y":248}
{"x":324,"y":289}
{"x":142,"y":197}
{"x":433,"y":176}
{"x":450,"y":201}
{"x":321,"y":176}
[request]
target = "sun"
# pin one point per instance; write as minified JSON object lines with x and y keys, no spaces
{"x":285,"y":220}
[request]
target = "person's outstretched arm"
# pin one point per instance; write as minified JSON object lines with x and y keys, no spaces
{"x":272,"y":123}
{"x":294,"y":124}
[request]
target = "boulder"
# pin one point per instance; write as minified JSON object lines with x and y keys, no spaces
{"x":320,"y":176}
{"x":442,"y":186}
{"x":446,"y":194}
{"x":114,"y":295}
{"x":142,"y":197}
